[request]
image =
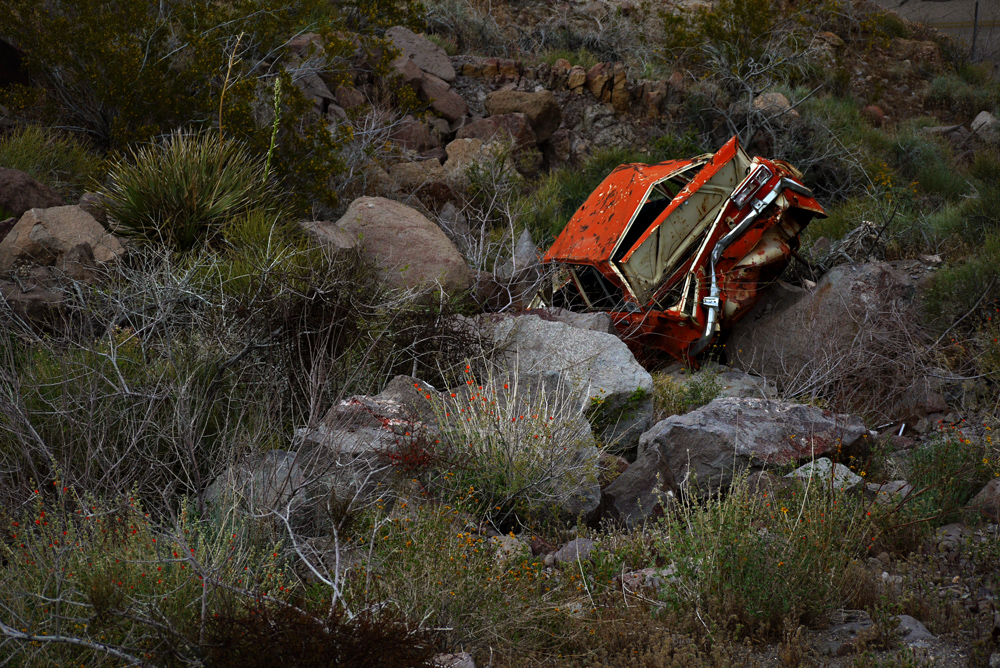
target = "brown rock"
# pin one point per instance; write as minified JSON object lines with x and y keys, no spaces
{"x":413,"y":135}
{"x":540,"y":546}
{"x":491,"y":67}
{"x":408,"y":72}
{"x":19,"y":192}
{"x":653,"y":97}
{"x":78,"y":263}
{"x":349,"y":97}
{"x":509,"y":69}
{"x":42,"y":236}
{"x":927,"y":53}
{"x":830,"y":38}
{"x":437,"y":154}
{"x":621,"y":99}
{"x":874,"y":115}
{"x":576,"y":79}
{"x":599,"y":79}
{"x":473,"y":69}
{"x":987,"y":501}
{"x":315,"y":89}
{"x":435,"y":195}
{"x":93,"y":204}
{"x":462,"y":153}
{"x":36,"y":298}
{"x":676,"y":81}
{"x":640,"y":492}
{"x":328,"y":235}
{"x":410,"y":250}
{"x":425,"y":54}
{"x":305,"y":44}
{"x":501,"y":127}
{"x":413,"y":175}
{"x":774,"y":104}
{"x":541,"y":108}
{"x":442,"y":98}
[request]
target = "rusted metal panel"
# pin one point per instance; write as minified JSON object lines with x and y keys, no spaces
{"x":592,"y":233}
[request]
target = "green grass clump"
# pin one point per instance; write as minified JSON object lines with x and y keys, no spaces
{"x":511,"y":453}
{"x":676,"y":397}
{"x":964,"y":99}
{"x":752,"y":563}
{"x":950,"y":470}
{"x":60,"y":161}
{"x":432,"y":567}
{"x":182,"y":192}
{"x":582,"y":57}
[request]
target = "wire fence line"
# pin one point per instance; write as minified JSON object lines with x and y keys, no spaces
{"x":977,"y":24}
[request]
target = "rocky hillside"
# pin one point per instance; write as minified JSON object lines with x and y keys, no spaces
{"x":273,"y":392}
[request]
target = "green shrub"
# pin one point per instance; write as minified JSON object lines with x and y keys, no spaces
{"x":431,"y":566}
{"x":947,"y":473}
{"x":182,"y":192}
{"x":748,"y":45}
{"x":58,"y":160}
{"x":126,"y":72}
{"x":750,"y":563}
{"x":964,"y":99}
{"x":672,"y":396}
{"x":959,"y":287}
{"x":102,"y":573}
{"x":919,"y":159}
{"x":986,"y":166}
{"x":581,"y":57}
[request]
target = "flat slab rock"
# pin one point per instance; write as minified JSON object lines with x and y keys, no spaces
{"x":709,"y":445}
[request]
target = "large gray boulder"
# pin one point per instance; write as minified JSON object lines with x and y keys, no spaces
{"x":987,"y":127}
{"x":19,"y":193}
{"x":541,"y":108}
{"x":264,"y":484}
{"x":711,"y":444}
{"x":596,"y":366}
{"x":424,"y":53}
{"x":42,"y":236}
{"x":855,"y":328}
{"x":410,"y":250}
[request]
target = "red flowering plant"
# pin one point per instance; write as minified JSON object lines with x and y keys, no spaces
{"x":510,"y":448}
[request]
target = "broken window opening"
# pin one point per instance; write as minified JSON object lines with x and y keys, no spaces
{"x":660,"y":197}
{"x":602,"y":294}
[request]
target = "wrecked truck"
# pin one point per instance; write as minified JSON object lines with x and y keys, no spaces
{"x":678,"y":251}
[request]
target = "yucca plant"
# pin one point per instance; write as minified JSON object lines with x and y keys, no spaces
{"x":57,"y":159}
{"x":182,"y":192}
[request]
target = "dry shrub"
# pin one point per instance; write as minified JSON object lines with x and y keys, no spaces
{"x":639,"y":637}
{"x":262,"y":635}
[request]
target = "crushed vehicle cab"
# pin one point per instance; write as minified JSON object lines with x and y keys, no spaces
{"x":677,"y":251}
